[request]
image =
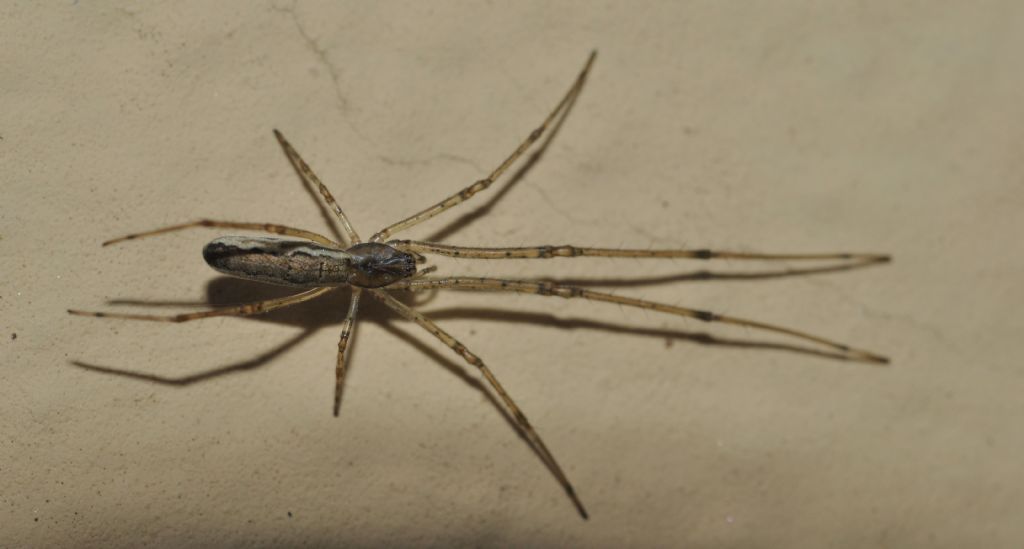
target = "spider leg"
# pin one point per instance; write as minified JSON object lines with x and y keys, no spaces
{"x":468,"y":192}
{"x":247,"y":309}
{"x":346,"y":332}
{"x":551,"y":289}
{"x":471,"y":358}
{"x":545,"y":252}
{"x":423,"y":272}
{"x":307,"y":173}
{"x":264,"y":227}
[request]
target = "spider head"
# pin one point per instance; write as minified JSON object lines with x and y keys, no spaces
{"x":375,"y":265}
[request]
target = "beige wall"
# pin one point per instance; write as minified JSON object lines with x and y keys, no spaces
{"x":773,"y":126}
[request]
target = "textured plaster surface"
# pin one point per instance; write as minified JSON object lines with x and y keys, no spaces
{"x":775,"y":126}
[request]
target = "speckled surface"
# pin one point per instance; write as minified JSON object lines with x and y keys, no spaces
{"x":784,"y":126}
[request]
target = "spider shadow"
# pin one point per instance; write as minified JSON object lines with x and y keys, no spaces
{"x":329,"y":310}
{"x":311,"y":317}
{"x":490,"y":314}
{"x":704,"y":275}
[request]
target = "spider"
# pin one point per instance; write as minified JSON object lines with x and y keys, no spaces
{"x":381,"y":265}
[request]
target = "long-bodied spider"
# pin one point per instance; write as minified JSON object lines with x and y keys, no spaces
{"x":381,"y":265}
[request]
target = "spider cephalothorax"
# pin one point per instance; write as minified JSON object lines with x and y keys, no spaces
{"x":375,"y":265}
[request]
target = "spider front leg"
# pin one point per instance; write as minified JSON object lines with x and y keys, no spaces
{"x":567,"y":250}
{"x":467,"y":283}
{"x":468,"y":356}
{"x":468,"y":192}
{"x":347,"y":326}
{"x":262,"y":227}
{"x":247,"y":309}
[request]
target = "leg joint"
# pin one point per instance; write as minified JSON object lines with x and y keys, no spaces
{"x":706,"y":316}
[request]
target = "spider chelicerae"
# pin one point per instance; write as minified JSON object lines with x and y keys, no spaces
{"x":382,"y":265}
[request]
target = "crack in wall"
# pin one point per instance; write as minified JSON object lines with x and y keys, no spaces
{"x":931,"y":330}
{"x":344,"y":106}
{"x":321,"y":55}
{"x":558,"y":208}
{"x":323,"y":59}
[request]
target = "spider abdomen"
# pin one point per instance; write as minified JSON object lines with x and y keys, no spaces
{"x":279,"y":261}
{"x":308,"y":264}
